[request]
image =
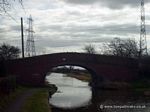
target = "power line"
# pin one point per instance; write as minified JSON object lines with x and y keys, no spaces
{"x":4,"y":8}
{"x":9,"y":15}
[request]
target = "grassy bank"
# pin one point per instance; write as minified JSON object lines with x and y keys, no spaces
{"x":38,"y":102}
{"x":6,"y":100}
{"x":83,"y":77}
{"x":141,"y":86}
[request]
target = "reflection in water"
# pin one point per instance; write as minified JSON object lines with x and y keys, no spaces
{"x":71,"y":92}
{"x":75,"y":93}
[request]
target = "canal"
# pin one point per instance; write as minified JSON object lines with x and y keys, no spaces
{"x":74,"y":95}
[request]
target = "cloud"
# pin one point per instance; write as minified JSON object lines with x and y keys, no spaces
{"x":60,"y":26}
{"x":76,"y":36}
{"x":90,"y":30}
{"x":113,"y":4}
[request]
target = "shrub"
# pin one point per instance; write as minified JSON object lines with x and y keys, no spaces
{"x":8,"y":84}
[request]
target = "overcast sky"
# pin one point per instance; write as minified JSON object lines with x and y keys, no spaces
{"x":69,"y":25}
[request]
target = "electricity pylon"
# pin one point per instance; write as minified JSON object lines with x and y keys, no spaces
{"x":30,"y":45}
{"x":143,"y":42}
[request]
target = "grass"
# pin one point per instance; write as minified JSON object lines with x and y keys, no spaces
{"x":38,"y":102}
{"x":141,"y":86}
{"x":6,"y":100}
{"x":83,"y":77}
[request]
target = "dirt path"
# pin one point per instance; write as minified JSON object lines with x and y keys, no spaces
{"x":19,"y":102}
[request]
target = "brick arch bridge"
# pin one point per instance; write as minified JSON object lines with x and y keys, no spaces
{"x":33,"y":70}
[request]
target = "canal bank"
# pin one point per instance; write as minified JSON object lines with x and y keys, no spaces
{"x":36,"y":100}
{"x":27,"y":99}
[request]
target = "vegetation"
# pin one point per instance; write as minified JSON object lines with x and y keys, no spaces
{"x":84,"y":77}
{"x":5,"y":5}
{"x":123,"y":48}
{"x":9,"y":90}
{"x":38,"y":102}
{"x":2,"y":69}
{"x":68,"y":69}
{"x":71,"y":71}
{"x":89,"y":49}
{"x":8,"y":84}
{"x":118,"y":47}
{"x":141,"y":84}
{"x":7,"y":100}
{"x":9,"y":52}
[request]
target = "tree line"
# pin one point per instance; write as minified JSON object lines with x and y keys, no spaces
{"x":117,"y":47}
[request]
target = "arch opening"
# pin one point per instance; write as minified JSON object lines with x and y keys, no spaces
{"x":73,"y":85}
{"x":77,"y":72}
{"x":81,"y":72}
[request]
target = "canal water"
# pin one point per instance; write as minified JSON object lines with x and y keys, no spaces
{"x":71,"y":93}
{"x":74,"y":95}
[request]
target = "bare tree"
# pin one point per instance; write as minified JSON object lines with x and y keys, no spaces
{"x":124,"y":48}
{"x":9,"y":52}
{"x":6,"y":5}
{"x":89,"y":49}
